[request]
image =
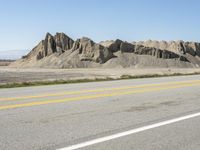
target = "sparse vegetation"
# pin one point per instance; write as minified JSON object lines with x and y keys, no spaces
{"x":123,"y":77}
{"x":157,"y":75}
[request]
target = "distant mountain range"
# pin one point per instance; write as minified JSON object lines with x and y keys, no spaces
{"x":13,"y":54}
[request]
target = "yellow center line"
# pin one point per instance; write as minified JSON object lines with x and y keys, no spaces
{"x":96,"y":90}
{"x":96,"y":96}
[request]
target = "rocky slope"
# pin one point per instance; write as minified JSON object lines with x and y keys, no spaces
{"x":60,"y":51}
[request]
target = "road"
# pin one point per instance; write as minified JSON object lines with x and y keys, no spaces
{"x":139,"y":114}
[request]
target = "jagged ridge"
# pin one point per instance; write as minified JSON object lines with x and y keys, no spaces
{"x":63,"y":52}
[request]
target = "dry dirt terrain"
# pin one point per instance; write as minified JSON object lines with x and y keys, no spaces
{"x":10,"y":75}
{"x":59,"y":57}
{"x":5,"y":62}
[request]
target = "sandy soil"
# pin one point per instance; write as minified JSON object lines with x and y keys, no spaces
{"x":9,"y":75}
{"x":5,"y":63}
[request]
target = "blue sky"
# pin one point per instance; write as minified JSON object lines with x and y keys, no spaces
{"x":25,"y":22}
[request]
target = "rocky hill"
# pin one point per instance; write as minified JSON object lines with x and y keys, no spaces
{"x":60,"y":51}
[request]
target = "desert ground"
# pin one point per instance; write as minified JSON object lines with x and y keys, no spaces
{"x":14,"y":75}
{"x":5,"y":62}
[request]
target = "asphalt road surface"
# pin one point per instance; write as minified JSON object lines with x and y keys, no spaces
{"x":139,"y":114}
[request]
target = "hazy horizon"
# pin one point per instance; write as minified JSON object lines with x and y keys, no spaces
{"x":12,"y":54}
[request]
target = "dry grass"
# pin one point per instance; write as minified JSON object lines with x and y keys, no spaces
{"x":123,"y":77}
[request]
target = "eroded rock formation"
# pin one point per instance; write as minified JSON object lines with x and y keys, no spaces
{"x":62,"y":51}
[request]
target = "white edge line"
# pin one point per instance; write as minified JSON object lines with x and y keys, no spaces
{"x":126,"y":133}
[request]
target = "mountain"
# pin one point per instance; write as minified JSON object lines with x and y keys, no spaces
{"x":61,"y":51}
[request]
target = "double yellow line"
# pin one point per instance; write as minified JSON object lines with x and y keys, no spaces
{"x":147,"y":88}
{"x":96,"y":90}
